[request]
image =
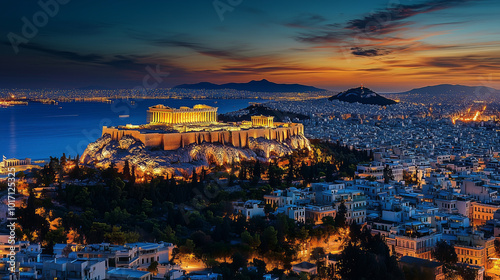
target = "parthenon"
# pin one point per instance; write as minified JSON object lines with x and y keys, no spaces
{"x":14,"y":162}
{"x":160,"y":114}
{"x":266,"y":121}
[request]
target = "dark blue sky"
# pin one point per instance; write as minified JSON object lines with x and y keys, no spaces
{"x":387,"y":45}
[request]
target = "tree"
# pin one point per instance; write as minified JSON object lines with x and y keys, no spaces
{"x":132,"y":175}
{"x":256,"y":174}
{"x":239,"y":260}
{"x":318,"y":254}
{"x":116,"y":236}
{"x":252,"y":241}
{"x":388,"y":176}
{"x":497,"y":246}
{"x":328,"y":220}
{"x":153,"y":268}
{"x":269,"y":239}
{"x":274,"y":174}
{"x":76,"y":172}
{"x":53,"y":237}
{"x":466,"y":272}
{"x":126,"y":171}
{"x":445,"y":253}
{"x":63,"y":160}
{"x":268,"y":208}
{"x":188,"y":247}
{"x":290,"y":175}
{"x":340,"y":220}
{"x":370,"y":260}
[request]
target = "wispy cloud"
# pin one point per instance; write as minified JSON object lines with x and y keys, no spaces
{"x":366,"y":35}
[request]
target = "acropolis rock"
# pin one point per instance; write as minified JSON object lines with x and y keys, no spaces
{"x":182,"y":161}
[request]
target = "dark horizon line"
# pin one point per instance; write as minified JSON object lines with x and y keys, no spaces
{"x":173,"y":87}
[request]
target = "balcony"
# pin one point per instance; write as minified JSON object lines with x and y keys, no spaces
{"x":359,"y":198}
{"x":359,"y":208}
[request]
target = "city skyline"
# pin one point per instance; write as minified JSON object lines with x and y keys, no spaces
{"x":332,"y":45}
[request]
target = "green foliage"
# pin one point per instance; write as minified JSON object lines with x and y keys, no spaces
{"x":388,"y":176}
{"x":340,"y":219}
{"x":269,"y":239}
{"x":53,"y":237}
{"x":153,"y":267}
{"x":417,"y":274}
{"x":370,"y":260}
{"x":445,"y":253}
{"x":256,"y":174}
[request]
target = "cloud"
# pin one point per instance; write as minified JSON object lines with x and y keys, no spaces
{"x":363,"y":36}
{"x":134,"y":63}
{"x":368,"y":52}
{"x":62,"y":54}
{"x":384,"y":21}
{"x":227,"y":53}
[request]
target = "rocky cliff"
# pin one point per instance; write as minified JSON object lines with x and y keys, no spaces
{"x":181,"y":162}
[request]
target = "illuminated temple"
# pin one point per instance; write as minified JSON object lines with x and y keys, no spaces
{"x":171,"y":128}
{"x":160,"y":114}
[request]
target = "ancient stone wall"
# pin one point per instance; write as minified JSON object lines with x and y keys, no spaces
{"x":238,"y":138}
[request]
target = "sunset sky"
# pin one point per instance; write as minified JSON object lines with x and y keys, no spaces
{"x":386,"y":45}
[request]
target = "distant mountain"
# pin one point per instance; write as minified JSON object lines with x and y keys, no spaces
{"x":451,"y":89}
{"x":260,"y":109}
{"x":255,"y":86}
{"x":362,"y":95}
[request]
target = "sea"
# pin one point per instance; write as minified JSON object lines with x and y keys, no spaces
{"x":39,"y":131}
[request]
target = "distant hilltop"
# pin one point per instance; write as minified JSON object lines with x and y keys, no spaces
{"x":255,"y":86}
{"x":362,"y":95}
{"x":452,"y":89}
